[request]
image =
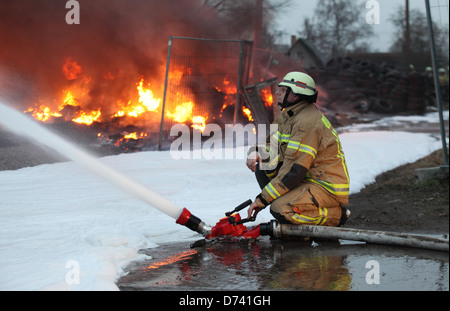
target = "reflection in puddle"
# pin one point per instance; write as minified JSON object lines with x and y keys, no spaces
{"x":289,"y":265}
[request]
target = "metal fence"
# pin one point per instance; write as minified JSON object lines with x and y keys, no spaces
{"x":203,"y":83}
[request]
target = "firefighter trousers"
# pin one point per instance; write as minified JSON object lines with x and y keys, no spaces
{"x":307,"y":204}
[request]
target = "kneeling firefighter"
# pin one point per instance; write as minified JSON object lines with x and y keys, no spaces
{"x":301,"y":170}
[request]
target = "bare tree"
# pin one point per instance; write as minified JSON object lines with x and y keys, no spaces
{"x":337,"y":27}
{"x":238,"y":17}
{"x":419,"y":35}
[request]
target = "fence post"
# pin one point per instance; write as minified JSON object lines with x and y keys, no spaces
{"x":238,"y":85}
{"x":436,"y":82}
{"x":164,"y":97}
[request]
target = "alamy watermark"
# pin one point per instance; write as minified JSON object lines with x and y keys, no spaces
{"x":73,"y":15}
{"x":373,"y":275}
{"x":215,"y":142}
{"x":73,"y":275}
{"x":373,"y":15}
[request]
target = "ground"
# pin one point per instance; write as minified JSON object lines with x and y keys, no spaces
{"x":397,"y":202}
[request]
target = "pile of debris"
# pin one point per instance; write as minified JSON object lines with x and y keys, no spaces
{"x":364,"y":86}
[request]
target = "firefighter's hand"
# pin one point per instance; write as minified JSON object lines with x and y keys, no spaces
{"x":254,"y":209}
{"x":252,"y":159}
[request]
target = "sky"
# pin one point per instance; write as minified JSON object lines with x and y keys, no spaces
{"x":290,"y":20}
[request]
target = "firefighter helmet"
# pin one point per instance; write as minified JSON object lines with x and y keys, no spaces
{"x":300,"y":83}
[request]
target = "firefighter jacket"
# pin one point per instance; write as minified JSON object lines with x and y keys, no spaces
{"x":305,"y":146}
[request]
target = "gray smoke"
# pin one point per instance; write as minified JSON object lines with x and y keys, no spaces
{"x":116,"y":42}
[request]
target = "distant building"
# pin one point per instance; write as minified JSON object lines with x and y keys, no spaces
{"x":305,"y":54}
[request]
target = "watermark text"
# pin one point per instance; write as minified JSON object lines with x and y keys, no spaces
{"x":73,"y":275}
{"x":73,"y":15}
{"x":373,"y":15}
{"x":215,"y":142}
{"x":373,"y":275}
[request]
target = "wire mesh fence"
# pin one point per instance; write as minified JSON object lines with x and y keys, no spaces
{"x":203,"y":83}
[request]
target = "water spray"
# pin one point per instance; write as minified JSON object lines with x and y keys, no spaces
{"x":21,"y":124}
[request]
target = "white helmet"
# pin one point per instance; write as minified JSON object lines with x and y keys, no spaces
{"x":300,"y":83}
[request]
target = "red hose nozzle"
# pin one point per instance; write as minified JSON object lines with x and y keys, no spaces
{"x":192,"y":222}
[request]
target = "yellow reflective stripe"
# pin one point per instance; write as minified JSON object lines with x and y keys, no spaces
{"x":303,"y":219}
{"x":326,"y":122}
{"x":270,"y":175}
{"x":302,"y":147}
{"x":337,"y":189}
{"x":340,"y":153}
{"x":308,"y":149}
{"x":321,"y":221}
{"x":272,"y":191}
{"x":293,"y":145}
{"x":274,"y":161}
{"x":284,"y":138}
{"x":271,"y":165}
{"x":277,"y":136}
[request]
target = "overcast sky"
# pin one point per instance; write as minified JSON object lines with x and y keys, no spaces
{"x":290,"y":20}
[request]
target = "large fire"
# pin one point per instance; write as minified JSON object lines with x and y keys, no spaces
{"x":69,"y":106}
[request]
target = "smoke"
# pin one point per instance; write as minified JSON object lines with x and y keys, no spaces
{"x":116,"y":43}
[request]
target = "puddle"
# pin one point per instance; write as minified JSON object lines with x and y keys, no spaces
{"x":289,"y":265}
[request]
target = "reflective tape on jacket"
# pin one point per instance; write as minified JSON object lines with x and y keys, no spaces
{"x":272,"y":191}
{"x":302,"y":147}
{"x":284,"y":138}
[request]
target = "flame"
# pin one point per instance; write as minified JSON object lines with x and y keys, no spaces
{"x":146,"y":97}
{"x":176,"y":74}
{"x":267,"y":97}
{"x":43,"y":113}
{"x":135,"y":135}
{"x":126,"y":137}
{"x":147,"y":102}
{"x":88,"y":118}
{"x":181,"y":109}
{"x":69,"y":99}
{"x":183,"y":112}
{"x":227,"y":87}
{"x":71,"y":69}
{"x":199,"y":123}
{"x":248,"y":113}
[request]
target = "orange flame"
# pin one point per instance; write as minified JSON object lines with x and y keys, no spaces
{"x":199,"y":123}
{"x":267,"y":97}
{"x":43,"y":113}
{"x":182,"y":112}
{"x":71,"y":69}
{"x":87,"y":118}
{"x":144,"y":101}
{"x":248,"y":113}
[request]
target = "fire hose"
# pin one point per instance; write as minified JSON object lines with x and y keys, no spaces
{"x":231,"y":226}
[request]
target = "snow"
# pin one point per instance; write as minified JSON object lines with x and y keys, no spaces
{"x":64,"y":228}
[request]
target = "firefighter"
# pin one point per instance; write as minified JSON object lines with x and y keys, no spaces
{"x":443,"y":78}
{"x":443,"y":81}
{"x":302,"y":169}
